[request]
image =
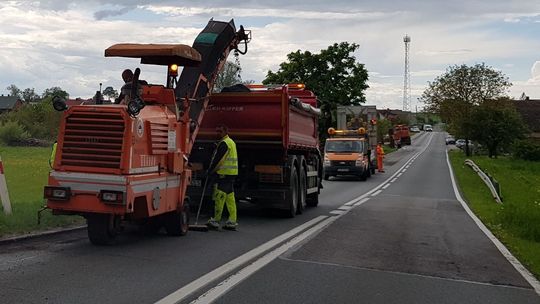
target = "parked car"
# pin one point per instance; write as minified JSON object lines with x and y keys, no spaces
{"x":460,"y":143}
{"x":450,"y":140}
{"x":414,"y":129}
{"x":428,"y":128}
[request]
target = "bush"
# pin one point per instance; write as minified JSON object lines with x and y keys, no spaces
{"x":527,"y":150}
{"x":11,"y":133}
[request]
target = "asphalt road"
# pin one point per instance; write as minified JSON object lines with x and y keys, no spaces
{"x":407,"y":241}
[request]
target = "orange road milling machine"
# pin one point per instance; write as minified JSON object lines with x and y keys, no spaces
{"x":129,"y":162}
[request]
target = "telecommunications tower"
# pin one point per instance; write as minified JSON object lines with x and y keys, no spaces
{"x":407,"y":77}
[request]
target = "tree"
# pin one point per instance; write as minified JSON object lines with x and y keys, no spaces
{"x":110,"y":92}
{"x":228,"y":76}
{"x":333,"y":75}
{"x":14,"y":91}
{"x":454,"y":94}
{"x":54,"y":91}
{"x":494,"y":123}
{"x":29,"y":95}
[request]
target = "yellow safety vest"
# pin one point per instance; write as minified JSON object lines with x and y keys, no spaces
{"x":53,"y":155}
{"x":229,"y":163}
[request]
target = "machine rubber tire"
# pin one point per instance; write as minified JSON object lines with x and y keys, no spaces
{"x":302,"y":191}
{"x":102,"y":229}
{"x":177,"y":222}
{"x":293,"y":194}
{"x":313,"y":200}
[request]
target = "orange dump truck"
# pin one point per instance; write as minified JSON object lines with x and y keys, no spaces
{"x":346,"y":153}
{"x":118,"y":163}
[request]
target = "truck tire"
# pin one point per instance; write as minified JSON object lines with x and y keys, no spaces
{"x":176,"y":223}
{"x":302,"y":190}
{"x":292,"y":197}
{"x":313,"y":199}
{"x":102,"y":229}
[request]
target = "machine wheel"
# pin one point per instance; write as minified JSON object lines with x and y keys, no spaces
{"x":313,"y":199}
{"x":302,"y":190}
{"x":177,"y":222}
{"x":102,"y":228}
{"x":293,"y":194}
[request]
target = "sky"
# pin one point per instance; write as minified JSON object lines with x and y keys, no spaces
{"x":61,"y":42}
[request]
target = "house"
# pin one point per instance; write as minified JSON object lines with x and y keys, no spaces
{"x":529,"y":109}
{"x":9,"y":103}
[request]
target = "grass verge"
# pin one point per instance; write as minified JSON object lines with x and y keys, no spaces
{"x":26,"y":170}
{"x":516,"y":222}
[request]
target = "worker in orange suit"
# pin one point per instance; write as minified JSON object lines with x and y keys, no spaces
{"x":380,"y":156}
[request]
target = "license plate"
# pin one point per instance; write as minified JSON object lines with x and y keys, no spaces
{"x":343,"y":170}
{"x":195,"y":182}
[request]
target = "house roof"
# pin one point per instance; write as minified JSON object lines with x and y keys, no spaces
{"x":530,"y":112}
{"x":7,"y":102}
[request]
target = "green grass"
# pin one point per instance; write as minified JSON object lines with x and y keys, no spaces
{"x":26,"y":170}
{"x":517,"y":221}
{"x":387,"y":149}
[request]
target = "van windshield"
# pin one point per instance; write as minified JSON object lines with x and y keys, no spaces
{"x":344,"y":146}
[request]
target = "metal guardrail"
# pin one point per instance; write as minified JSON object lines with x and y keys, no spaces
{"x":492,"y":184}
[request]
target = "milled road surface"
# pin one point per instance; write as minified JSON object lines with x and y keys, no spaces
{"x":411,"y":242}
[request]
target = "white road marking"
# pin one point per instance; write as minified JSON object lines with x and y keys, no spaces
{"x":206,"y":279}
{"x":395,"y":179}
{"x":337,"y":212}
{"x":229,"y":283}
{"x":404,"y":170}
{"x":400,"y":174}
{"x":362,"y":201}
{"x":376,"y":193}
{"x":344,"y":207}
{"x":386,"y":186}
{"x":505,"y":252}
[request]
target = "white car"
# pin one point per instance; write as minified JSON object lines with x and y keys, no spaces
{"x":414,"y":129}
{"x":428,"y":128}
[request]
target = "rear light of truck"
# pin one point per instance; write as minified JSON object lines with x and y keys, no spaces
{"x":57,"y":193}
{"x":112,"y":197}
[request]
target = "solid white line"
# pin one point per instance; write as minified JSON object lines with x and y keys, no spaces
{"x":386,"y":186}
{"x":206,"y":279}
{"x":505,"y":252}
{"x":229,"y":283}
{"x":376,"y":193}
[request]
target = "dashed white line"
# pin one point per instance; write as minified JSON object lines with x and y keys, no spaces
{"x":365,"y":199}
{"x":344,"y":207}
{"x":337,"y":212}
{"x":393,"y":180}
{"x":386,"y":186}
{"x":400,"y":174}
{"x":376,"y":193}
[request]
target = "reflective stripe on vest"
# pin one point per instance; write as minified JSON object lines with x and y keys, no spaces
{"x":229,"y":166}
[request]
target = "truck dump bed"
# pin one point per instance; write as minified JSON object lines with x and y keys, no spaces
{"x":280,"y":116}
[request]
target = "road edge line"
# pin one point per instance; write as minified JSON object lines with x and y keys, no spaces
{"x":525,"y":273}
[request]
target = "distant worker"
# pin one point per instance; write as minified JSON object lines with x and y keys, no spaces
{"x":380,"y":156}
{"x":224,"y":167}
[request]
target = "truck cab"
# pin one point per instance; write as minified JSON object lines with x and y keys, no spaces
{"x":346,"y":154}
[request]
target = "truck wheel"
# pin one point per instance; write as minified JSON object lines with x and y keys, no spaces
{"x":177,"y":222}
{"x":302,"y":191}
{"x":313,"y":199}
{"x":293,"y":194}
{"x":102,"y":228}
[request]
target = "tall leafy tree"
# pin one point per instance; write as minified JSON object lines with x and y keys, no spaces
{"x":495,"y":123}
{"x":333,"y":75}
{"x":228,"y":76}
{"x":54,"y":91}
{"x":13,"y":90}
{"x":454,"y":94}
{"x":29,"y":95}
{"x":110,"y":92}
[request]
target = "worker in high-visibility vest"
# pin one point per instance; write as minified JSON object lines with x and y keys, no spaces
{"x":380,"y":156}
{"x":53,"y":154}
{"x":224,"y":167}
